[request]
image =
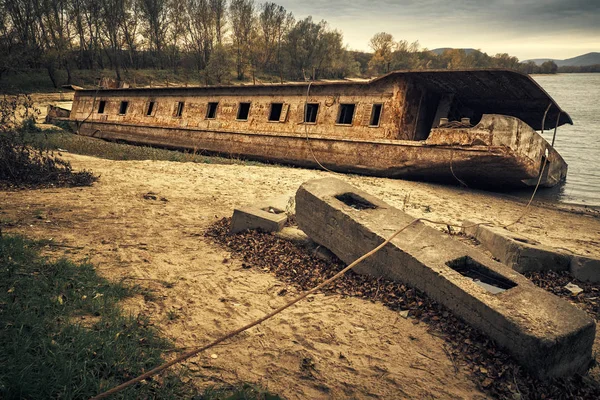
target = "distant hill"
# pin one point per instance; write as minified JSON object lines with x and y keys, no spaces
{"x":540,"y":61}
{"x":443,"y":49}
{"x":579,"y":61}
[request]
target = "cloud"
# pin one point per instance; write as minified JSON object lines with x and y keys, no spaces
{"x":440,"y":23}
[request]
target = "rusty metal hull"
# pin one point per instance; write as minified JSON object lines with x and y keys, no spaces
{"x":481,"y":163}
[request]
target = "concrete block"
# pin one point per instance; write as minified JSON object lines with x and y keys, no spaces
{"x":547,"y":335}
{"x":295,"y":236}
{"x":267,"y":219}
{"x":282,"y":202}
{"x":299,"y":238}
{"x":585,"y":268}
{"x":517,"y":251}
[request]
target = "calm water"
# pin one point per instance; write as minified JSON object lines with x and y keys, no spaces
{"x":579,"y":144}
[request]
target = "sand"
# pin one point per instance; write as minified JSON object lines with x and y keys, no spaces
{"x":327,"y":347}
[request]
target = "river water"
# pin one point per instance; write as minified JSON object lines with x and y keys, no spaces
{"x":579,"y":144}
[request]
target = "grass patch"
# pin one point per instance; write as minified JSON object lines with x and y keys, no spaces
{"x":62,"y":334}
{"x":38,"y":81}
{"x":242,"y":391}
{"x":56,"y":139}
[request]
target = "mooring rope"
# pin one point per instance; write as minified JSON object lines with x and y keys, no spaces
{"x":268,"y":316}
{"x":306,"y":130}
{"x":231,"y":334}
{"x":80,"y":124}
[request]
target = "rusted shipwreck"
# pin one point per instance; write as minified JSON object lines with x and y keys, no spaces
{"x":476,"y":126}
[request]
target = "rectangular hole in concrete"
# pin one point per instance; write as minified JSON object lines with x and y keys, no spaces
{"x":523,"y":240}
{"x":355,"y":201}
{"x":272,"y":210}
{"x":481,"y":275}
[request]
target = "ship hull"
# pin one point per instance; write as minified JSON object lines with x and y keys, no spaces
{"x":479,"y":165}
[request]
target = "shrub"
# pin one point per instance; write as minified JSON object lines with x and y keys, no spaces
{"x":23,"y":165}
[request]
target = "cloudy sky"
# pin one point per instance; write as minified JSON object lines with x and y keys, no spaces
{"x":523,"y":28}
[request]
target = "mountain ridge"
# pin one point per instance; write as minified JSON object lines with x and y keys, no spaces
{"x":582,"y":60}
{"x":592,"y":58}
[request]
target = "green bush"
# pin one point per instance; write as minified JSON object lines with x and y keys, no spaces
{"x":22,"y":165}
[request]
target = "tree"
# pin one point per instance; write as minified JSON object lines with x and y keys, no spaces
{"x":548,"y":67}
{"x":218,"y":69}
{"x":529,"y":67}
{"x":154,"y":14}
{"x":177,"y":20}
{"x":382,"y":44}
{"x":243,"y":23}
{"x":112,"y":15}
{"x":217,"y":11}
{"x":274,"y":23}
{"x":504,"y":60}
{"x":404,"y":55}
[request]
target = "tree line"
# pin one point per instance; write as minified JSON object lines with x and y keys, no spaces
{"x":221,"y":40}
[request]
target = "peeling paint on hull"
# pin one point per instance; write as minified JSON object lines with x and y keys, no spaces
{"x":476,"y":165}
{"x":390,"y":126}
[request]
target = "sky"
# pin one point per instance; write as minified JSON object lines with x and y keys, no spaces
{"x":526,"y":29}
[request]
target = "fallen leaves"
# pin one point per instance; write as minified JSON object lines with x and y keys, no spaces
{"x":468,"y":349}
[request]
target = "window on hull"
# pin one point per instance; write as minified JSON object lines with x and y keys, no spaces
{"x":178,"y":112}
{"x":275,"y":113}
{"x":151,"y":108}
{"x":101,"y":106}
{"x":310,"y":113}
{"x":123,"y":107}
{"x":243,"y":111}
{"x":375,"y":115}
{"x":346,"y":114}
{"x":211,"y":110}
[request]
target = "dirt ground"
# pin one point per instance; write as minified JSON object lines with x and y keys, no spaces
{"x":327,"y":347}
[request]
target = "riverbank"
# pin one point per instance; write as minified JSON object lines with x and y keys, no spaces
{"x":145,"y":221}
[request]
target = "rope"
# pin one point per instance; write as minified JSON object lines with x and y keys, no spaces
{"x":270,"y":315}
{"x":452,"y":171}
{"x":306,"y":130}
{"x":79,"y":124}
{"x":231,"y":334}
{"x":525,"y":211}
{"x":259,"y":321}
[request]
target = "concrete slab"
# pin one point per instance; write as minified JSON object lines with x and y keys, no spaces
{"x":547,"y":335}
{"x":295,"y":236}
{"x":524,"y":254}
{"x":585,"y":268}
{"x":282,"y":202}
{"x":300,"y":238}
{"x":519,"y":252}
{"x":267,"y":219}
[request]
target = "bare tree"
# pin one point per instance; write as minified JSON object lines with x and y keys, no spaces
{"x":242,"y":23}
{"x":130,"y":29}
{"x":217,"y":10}
{"x":112,"y":14}
{"x":154,"y":14}
{"x":274,"y":23}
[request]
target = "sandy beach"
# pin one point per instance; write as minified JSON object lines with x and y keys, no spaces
{"x":197,"y":291}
